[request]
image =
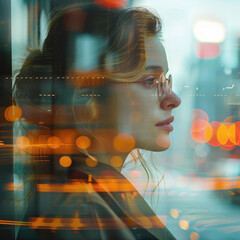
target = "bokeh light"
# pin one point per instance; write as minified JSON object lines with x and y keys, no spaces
{"x":184,"y":224}
{"x":234,"y":133}
{"x":111,"y":4}
{"x":54,"y":142}
{"x":199,"y":114}
{"x":13,"y":113}
{"x":194,"y":236}
{"x":91,"y":161}
{"x":83,"y":142}
{"x":201,"y":131}
{"x":116,"y":161}
{"x":209,"y":31}
{"x":124,"y":142}
{"x":229,"y":144}
{"x":222,"y":134}
{"x":207,"y":50}
{"x":213,"y":140}
{"x":65,"y":161}
{"x":208,"y":132}
{"x":174,"y":213}
{"x":23,"y":142}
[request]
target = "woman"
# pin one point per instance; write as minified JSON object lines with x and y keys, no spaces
{"x":95,"y":92}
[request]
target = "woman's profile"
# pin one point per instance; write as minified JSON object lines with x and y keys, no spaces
{"x":95,"y":91}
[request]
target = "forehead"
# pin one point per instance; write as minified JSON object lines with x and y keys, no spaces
{"x":155,"y":53}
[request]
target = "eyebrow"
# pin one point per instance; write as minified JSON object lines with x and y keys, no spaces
{"x":155,"y":68}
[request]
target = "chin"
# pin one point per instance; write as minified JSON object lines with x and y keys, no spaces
{"x":163,"y":140}
{"x":160,"y":143}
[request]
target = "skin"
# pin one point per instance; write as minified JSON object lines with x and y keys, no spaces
{"x":139,"y":107}
{"x":131,"y":108}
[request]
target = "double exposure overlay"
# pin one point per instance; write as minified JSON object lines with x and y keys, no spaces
{"x":120,"y":119}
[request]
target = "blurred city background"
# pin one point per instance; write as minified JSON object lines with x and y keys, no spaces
{"x":199,"y":193}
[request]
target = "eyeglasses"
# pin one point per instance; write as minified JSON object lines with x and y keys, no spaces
{"x":163,"y":84}
{"x":149,"y":81}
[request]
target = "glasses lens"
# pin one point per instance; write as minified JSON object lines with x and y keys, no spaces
{"x":170,"y":81}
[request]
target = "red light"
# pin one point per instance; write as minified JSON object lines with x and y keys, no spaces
{"x":111,"y":4}
{"x":207,"y":50}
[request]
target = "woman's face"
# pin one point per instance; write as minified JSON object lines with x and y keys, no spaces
{"x":136,"y":109}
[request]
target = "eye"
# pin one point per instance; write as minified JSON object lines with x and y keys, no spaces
{"x":148,"y":81}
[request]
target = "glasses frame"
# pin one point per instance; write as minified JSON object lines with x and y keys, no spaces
{"x":164,"y":84}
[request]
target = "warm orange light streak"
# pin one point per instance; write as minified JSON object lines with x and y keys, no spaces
{"x":121,"y":185}
{"x":14,"y":223}
{"x":54,"y":142}
{"x":210,"y":184}
{"x":14,"y":186}
{"x":83,"y":79}
{"x":77,"y":223}
{"x":78,"y":187}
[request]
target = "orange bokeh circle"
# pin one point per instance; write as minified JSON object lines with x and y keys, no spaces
{"x":116,"y":161}
{"x":213,"y":140}
{"x":124,"y":142}
{"x":194,"y":236}
{"x":91,"y":161}
{"x":222,"y":134}
{"x":184,"y":224}
{"x":23,"y":142}
{"x":65,"y":161}
{"x":83,"y":142}
{"x":13,"y":113}
{"x":54,"y":142}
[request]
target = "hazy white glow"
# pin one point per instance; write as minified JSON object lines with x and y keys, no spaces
{"x":210,"y":31}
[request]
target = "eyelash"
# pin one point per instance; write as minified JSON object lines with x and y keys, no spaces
{"x":149,"y":82}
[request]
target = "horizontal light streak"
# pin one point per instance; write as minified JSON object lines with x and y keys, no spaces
{"x":122,"y":185}
{"x":77,"y":223}
{"x":14,"y":223}
{"x":94,"y":223}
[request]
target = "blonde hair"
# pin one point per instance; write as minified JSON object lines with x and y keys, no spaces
{"x":125,"y":31}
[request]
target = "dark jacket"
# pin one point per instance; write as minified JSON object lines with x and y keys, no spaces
{"x":94,"y":203}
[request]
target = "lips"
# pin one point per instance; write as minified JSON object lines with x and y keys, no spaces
{"x":165,"y":124}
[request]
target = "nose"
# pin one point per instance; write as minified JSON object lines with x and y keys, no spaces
{"x":170,"y":101}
